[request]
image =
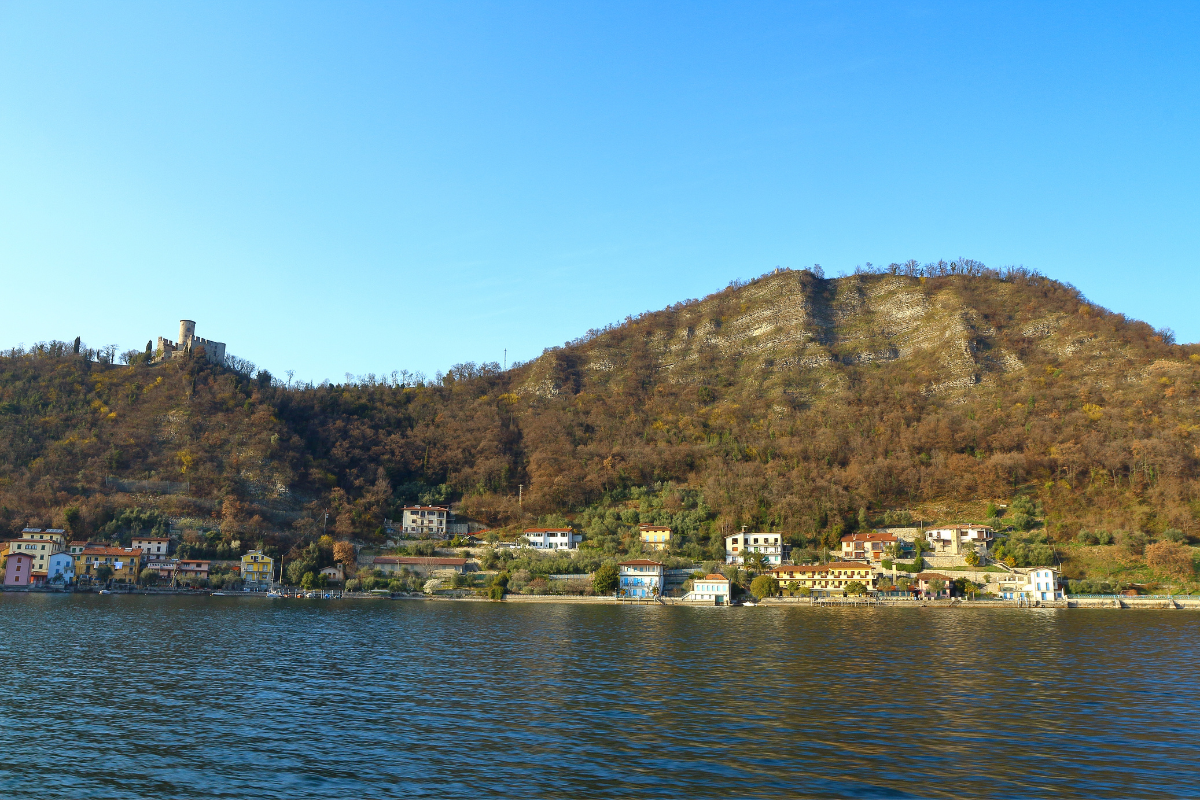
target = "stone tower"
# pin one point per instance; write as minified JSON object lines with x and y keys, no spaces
{"x":187,"y":332}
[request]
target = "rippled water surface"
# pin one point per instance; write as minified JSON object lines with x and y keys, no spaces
{"x":123,"y":697}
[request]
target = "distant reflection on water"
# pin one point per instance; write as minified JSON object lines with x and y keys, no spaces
{"x":132,"y":697}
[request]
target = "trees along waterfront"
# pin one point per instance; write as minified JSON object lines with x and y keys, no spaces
{"x":764,"y":586}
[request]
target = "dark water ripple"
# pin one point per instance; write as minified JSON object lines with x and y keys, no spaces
{"x":132,"y":697}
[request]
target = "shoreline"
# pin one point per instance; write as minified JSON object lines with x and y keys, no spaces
{"x":1114,"y":603}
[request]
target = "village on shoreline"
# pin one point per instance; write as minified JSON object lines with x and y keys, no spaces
{"x":950,"y":565}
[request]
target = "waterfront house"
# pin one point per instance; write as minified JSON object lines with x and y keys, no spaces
{"x":925,"y":579}
{"x":123,"y":561}
{"x":60,"y":569}
{"x":190,"y":570}
{"x":655,"y":537}
{"x":165,"y":567}
{"x":334,"y":574}
{"x":1041,"y":583}
{"x":958,"y":540}
{"x":715,"y":589}
{"x":257,"y":568}
{"x":830,"y":578}
{"x":867,"y":546}
{"x":640,"y":578}
{"x":738,"y":546}
{"x":425,"y":521}
{"x":40,"y":545}
{"x":152,"y":546}
{"x":18,"y":569}
{"x":553,"y":538}
{"x":422,"y":565}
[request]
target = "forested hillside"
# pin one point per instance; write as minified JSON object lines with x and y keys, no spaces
{"x":792,"y":402}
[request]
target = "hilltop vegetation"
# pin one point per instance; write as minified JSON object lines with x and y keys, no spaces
{"x":790,"y":402}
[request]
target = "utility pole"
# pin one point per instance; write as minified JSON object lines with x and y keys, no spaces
{"x":506,"y":359}
{"x":520,"y":495}
{"x":324,"y":523}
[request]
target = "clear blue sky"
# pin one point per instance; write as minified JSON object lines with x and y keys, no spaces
{"x":362,"y":187}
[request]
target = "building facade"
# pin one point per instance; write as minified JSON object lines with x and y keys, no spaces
{"x":189,"y":570}
{"x":152,"y":546}
{"x":18,"y":570}
{"x":925,"y":582}
{"x":40,"y":544}
{"x":738,"y":546}
{"x":124,"y":562}
{"x":425,"y":521}
{"x":421,"y":565}
{"x":257,"y":568}
{"x":165,"y":567}
{"x":867,"y":546}
{"x":713,"y":589}
{"x":640,"y":578}
{"x":1041,"y":585}
{"x":829,"y":578}
{"x":655,"y":537}
{"x":958,"y":540}
{"x":60,"y":569}
{"x":553,"y":538}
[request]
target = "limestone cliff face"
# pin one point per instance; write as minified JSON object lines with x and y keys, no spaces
{"x":792,"y":331}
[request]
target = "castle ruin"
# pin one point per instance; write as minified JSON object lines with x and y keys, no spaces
{"x":189,"y":342}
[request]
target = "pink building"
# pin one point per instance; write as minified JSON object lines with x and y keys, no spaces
{"x":18,"y":570}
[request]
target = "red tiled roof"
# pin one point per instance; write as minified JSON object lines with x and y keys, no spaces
{"x":656,"y":528}
{"x":715,"y":577}
{"x":929,"y":576}
{"x":420,"y":560}
{"x":151,"y":538}
{"x":112,"y":551}
{"x":425,"y":508}
{"x":639,"y":562}
{"x":549,"y":530}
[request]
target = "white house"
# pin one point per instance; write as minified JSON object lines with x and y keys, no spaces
{"x":958,"y":540}
{"x":713,"y":589}
{"x":641,"y":578}
{"x":152,"y":546}
{"x":60,"y":569}
{"x":553,"y":538}
{"x":739,"y":545}
{"x":1042,"y":584}
{"x":425,"y":521}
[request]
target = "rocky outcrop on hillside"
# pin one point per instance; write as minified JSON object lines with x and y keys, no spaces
{"x":776,"y":329}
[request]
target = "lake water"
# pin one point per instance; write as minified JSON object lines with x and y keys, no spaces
{"x":132,"y":697}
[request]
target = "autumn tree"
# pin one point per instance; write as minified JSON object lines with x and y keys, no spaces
{"x":344,"y":553}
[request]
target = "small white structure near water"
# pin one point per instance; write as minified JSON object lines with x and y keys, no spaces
{"x":713,"y":589}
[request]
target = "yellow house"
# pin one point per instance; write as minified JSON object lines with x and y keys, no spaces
{"x":39,"y":544}
{"x":257,"y":568}
{"x":831,"y":577}
{"x":655,"y":537}
{"x":125,"y":562}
